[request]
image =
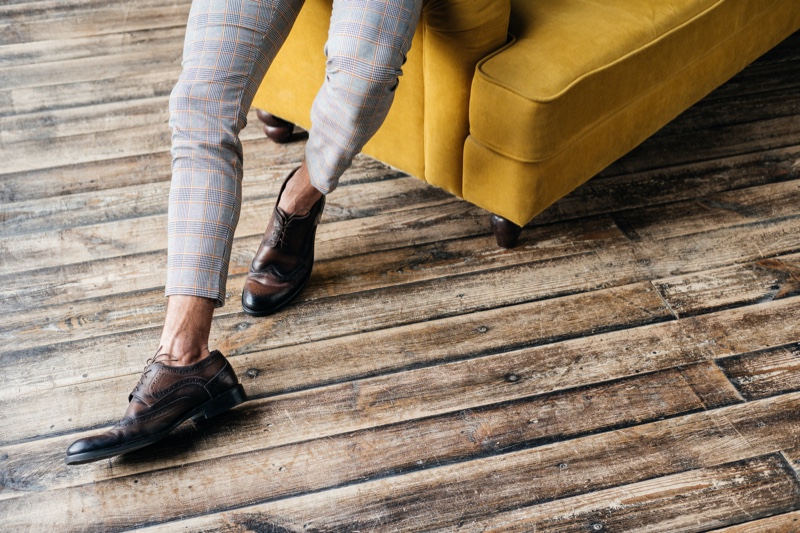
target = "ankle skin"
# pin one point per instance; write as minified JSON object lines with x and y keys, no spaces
{"x":299,"y":195}
{"x":187,"y":327}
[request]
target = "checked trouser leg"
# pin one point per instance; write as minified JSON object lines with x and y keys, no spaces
{"x":229,"y":46}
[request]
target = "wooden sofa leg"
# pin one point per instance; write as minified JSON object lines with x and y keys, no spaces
{"x":505,"y":232}
{"x":277,"y":129}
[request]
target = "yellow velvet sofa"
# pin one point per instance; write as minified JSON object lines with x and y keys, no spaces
{"x":513,"y":104}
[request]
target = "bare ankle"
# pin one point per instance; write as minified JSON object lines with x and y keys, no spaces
{"x":181,"y":352}
{"x":300,"y":195}
{"x":186,"y":330}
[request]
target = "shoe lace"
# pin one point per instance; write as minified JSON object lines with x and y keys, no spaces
{"x":282,"y":223}
{"x":148,"y":368}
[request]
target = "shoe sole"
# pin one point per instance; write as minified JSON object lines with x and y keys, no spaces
{"x":212,"y":407}
{"x":271,"y":310}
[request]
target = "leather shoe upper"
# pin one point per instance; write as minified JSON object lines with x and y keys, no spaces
{"x":282,"y":265}
{"x":164,"y":396}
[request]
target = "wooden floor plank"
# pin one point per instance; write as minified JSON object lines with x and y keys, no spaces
{"x":710,"y":114}
{"x":766,"y":373}
{"x":764,"y":76}
{"x":404,"y":447}
{"x":156,"y":83}
{"x":707,"y":383}
{"x":638,"y":347}
{"x":165,"y":58}
{"x":783,"y":523}
{"x":81,"y":280}
{"x":94,"y":146}
{"x":135,"y":201}
{"x":545,"y":270}
{"x":625,"y":262}
{"x":710,"y":384}
{"x":750,"y":203}
{"x":112,"y":44}
{"x":152,"y":167}
{"x":695,"y":146}
{"x":369,"y":311}
{"x":793,"y":456}
{"x":418,"y":393}
{"x":687,"y":502}
{"x":454,"y":494}
{"x":729,"y":208}
{"x":777,"y":200}
{"x":121,"y":238}
{"x":76,"y":121}
{"x":54,"y":20}
{"x":758,"y":281}
{"x":612,"y":194}
{"x":86,"y":148}
{"x":636,"y":190}
{"x":86,"y":404}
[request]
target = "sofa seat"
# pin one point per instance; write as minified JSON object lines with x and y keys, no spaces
{"x":582,"y":83}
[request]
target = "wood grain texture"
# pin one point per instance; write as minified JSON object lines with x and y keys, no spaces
{"x":765,"y":373}
{"x":460,"y":493}
{"x":56,"y":19}
{"x":476,"y":267}
{"x":783,"y":523}
{"x":74,"y":281}
{"x":630,"y":366}
{"x":134,"y":201}
{"x":697,"y":146}
{"x":391,"y":449}
{"x":25,"y":254}
{"x":687,"y":502}
{"x":71,"y":178}
{"x":731,"y":208}
{"x":489,"y":332}
{"x":611,"y":265}
{"x":710,"y":384}
{"x":758,"y":281}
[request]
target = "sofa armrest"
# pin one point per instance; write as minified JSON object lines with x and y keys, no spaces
{"x":457,"y":34}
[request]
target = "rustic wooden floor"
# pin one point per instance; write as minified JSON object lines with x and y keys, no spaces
{"x":633,"y":366}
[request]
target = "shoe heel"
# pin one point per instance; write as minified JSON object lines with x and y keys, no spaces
{"x":221,"y":403}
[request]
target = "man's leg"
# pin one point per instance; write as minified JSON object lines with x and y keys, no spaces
{"x":229,"y":46}
{"x":367,"y":45}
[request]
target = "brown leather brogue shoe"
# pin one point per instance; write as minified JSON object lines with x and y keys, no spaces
{"x":165,"y":397}
{"x":283,"y":262}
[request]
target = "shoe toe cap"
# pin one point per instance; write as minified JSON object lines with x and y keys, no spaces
{"x":93,"y":443}
{"x":266,"y":299}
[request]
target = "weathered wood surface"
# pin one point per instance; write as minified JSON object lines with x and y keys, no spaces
{"x":633,"y":365}
{"x":503,"y":328}
{"x":687,"y":502}
{"x":491,"y":429}
{"x":61,"y":20}
{"x":461,"y":492}
{"x":783,"y":523}
{"x":443,"y":493}
{"x":765,"y":373}
{"x":754,"y":282}
{"x":487,"y":332}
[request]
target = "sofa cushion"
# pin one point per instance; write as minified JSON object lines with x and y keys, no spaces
{"x":574,"y":64}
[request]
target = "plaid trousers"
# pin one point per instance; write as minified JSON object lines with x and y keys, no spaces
{"x":229,"y":46}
